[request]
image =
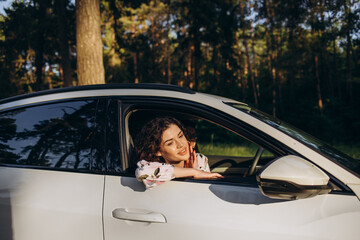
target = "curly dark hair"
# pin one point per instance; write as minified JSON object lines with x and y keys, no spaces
{"x":147,"y":142}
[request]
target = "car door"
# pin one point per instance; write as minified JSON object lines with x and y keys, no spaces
{"x":212,"y":211}
{"x":49,"y":185}
{"x":228,"y":208}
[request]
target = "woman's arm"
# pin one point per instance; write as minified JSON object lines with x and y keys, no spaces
{"x":153,"y":173}
{"x":180,"y":172}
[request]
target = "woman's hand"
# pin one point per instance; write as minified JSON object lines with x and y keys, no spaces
{"x":180,"y":172}
{"x":206,"y":175}
{"x":193,"y":159}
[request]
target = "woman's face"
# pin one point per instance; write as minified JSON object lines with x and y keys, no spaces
{"x":174,"y":147}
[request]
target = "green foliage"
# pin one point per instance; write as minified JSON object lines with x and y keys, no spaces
{"x":228,"y":150}
{"x":353,"y":150}
{"x":296,"y":60}
{"x":30,"y":46}
{"x":231,"y":150}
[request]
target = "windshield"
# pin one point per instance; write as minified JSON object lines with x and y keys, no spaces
{"x":316,"y":144}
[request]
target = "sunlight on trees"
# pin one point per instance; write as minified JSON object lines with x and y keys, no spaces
{"x":296,"y":60}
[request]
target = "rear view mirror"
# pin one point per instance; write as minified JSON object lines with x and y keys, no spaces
{"x":292,"y":177}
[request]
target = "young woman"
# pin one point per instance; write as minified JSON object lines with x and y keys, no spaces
{"x":165,"y":154}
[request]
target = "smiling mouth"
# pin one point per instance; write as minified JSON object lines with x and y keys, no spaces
{"x":183,"y":152}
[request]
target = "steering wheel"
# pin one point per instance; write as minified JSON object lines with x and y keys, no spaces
{"x":224,"y":161}
{"x":256,"y":160}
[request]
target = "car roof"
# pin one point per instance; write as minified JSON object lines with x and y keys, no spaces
{"x":145,"y":89}
{"x":154,"y":86}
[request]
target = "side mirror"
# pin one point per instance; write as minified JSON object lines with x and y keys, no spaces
{"x":291,"y":177}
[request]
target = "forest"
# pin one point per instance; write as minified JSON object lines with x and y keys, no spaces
{"x":297,"y":60}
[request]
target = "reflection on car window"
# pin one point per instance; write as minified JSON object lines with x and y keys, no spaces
{"x":54,"y":135}
{"x":337,"y":156}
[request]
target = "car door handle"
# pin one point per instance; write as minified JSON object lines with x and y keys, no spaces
{"x":138,"y":215}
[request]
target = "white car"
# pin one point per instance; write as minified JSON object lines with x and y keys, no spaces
{"x":66,"y":171}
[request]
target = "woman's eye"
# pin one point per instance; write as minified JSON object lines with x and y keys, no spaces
{"x":181,"y":135}
{"x":169,"y":143}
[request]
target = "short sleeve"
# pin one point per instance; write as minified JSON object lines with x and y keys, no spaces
{"x":154,"y":173}
{"x":202,"y":162}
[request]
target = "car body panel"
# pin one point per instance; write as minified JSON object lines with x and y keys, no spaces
{"x":355,"y":188}
{"x":213,"y":211}
{"x":44,"y":205}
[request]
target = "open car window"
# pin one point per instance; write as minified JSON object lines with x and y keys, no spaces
{"x":229,"y":153}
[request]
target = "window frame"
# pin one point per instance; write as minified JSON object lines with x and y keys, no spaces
{"x":129,"y":104}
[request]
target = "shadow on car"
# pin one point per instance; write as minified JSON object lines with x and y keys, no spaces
{"x":6,"y":229}
{"x":133,"y":184}
{"x":241,"y":196}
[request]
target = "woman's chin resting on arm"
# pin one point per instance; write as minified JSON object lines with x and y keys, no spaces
{"x":165,"y":153}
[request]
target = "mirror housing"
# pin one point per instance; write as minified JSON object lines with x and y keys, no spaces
{"x":292,"y":177}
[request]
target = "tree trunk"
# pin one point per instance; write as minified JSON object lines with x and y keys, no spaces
{"x":241,"y":79}
{"x":190,"y":66}
{"x":197,"y":57}
{"x":335,"y":71}
{"x":291,"y":74}
{"x":49,"y":75}
{"x":168,"y":53}
{"x":257,"y":92}
{"x":90,"y":66}
{"x":269,"y":46}
{"x":169,"y":73}
{"x":135,"y":59}
{"x":274,"y":95}
{"x":215,"y":65}
{"x":250,"y":71}
{"x":349,"y":91}
{"x":278,"y":76}
{"x":63,"y":43}
{"x":328,"y":81}
{"x":348,"y":68}
{"x":317,"y":49}
{"x":318,"y":88}
{"x":39,"y":51}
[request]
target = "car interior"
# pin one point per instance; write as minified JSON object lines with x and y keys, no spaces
{"x":229,"y":153}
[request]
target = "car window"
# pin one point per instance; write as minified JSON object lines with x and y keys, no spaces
{"x":339,"y":157}
{"x":56,"y":135}
{"x":228,"y":152}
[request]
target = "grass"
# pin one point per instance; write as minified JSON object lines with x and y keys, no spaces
{"x":229,"y":150}
{"x":352,"y":150}
{"x":246,"y":151}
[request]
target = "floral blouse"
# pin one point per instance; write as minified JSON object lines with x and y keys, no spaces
{"x":154,"y":173}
